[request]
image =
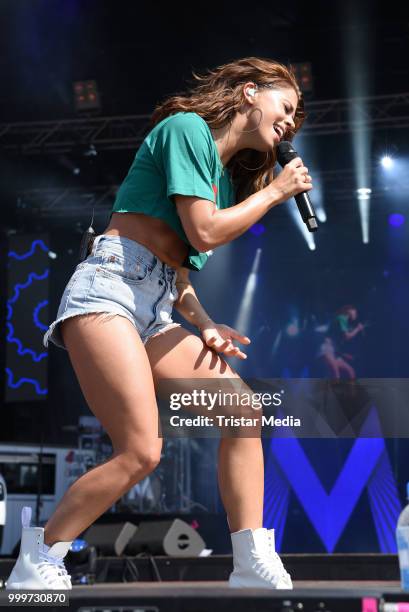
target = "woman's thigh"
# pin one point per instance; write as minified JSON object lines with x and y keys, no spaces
{"x":183,"y":357}
{"x":180,"y":354}
{"x":115,"y":377}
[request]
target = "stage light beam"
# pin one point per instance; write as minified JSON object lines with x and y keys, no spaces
{"x":364,"y":198}
{"x":242,"y":323}
{"x":358,"y":67}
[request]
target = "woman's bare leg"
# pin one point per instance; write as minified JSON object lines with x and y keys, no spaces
{"x":343,"y":365}
{"x":332,"y":364}
{"x":179,"y":354}
{"x":114,"y":373}
{"x":241,"y":481}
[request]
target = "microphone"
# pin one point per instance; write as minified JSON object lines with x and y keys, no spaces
{"x":285,"y":153}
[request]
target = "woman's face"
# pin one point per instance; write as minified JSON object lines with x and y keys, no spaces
{"x":278,"y":109}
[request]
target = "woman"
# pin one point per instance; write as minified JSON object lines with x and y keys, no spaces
{"x":201,"y":178}
{"x":339,"y":333}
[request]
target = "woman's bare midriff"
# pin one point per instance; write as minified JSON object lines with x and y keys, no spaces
{"x":153,"y":233}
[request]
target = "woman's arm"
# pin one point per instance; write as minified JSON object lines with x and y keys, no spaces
{"x":352,"y":333}
{"x":216,"y":335}
{"x":207,"y":227}
{"x":187,"y":303}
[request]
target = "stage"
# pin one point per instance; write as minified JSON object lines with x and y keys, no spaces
{"x":201,"y":596}
{"x":326,"y":583}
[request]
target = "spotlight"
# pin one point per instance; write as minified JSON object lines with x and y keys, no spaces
{"x":387,"y":162}
{"x":86,"y":96}
{"x":364,"y":193}
{"x":303,"y":74}
{"x":90,"y":151}
{"x":52,"y":255}
{"x":396,"y":219}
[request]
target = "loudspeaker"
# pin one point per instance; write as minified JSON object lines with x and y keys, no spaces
{"x":173,"y":537}
{"x":109,"y":539}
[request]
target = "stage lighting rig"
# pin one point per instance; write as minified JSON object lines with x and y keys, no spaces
{"x":86,"y":96}
{"x":303,"y":73}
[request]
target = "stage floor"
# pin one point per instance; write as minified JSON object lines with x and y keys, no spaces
{"x":199,"y":585}
{"x":217,"y":596}
{"x":172,"y":587}
{"x":308,"y":596}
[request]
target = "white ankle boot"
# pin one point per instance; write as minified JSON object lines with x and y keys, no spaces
{"x":38,"y":566}
{"x":271,"y":547}
{"x":255,"y":562}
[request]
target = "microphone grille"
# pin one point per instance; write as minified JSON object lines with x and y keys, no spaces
{"x":285,"y":152}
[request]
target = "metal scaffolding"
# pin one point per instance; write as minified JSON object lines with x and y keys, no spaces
{"x":67,"y":201}
{"x":115,"y":133}
{"x":127,"y":132}
{"x":78,"y":201}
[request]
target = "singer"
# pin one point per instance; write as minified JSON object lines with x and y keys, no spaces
{"x":201,"y":178}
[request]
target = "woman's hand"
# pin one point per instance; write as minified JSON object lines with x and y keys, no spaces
{"x":220,"y":338}
{"x":293,"y":179}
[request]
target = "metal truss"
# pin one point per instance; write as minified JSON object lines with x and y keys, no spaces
{"x":67,"y":201}
{"x":80,"y":202}
{"x":48,"y":137}
{"x":347,"y":115}
{"x":127,"y":132}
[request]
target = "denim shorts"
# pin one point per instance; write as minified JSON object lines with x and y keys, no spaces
{"x":119,"y":276}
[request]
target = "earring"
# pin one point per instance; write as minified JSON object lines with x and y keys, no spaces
{"x":252,"y":169}
{"x":258,"y":125}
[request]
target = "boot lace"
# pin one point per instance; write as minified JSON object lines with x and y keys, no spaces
{"x":52,"y":569}
{"x":266,"y":570}
{"x":276,"y":558}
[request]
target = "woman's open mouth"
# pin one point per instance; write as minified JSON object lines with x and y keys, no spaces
{"x":278,"y":131}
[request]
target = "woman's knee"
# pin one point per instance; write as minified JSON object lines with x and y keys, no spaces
{"x":142,"y":459}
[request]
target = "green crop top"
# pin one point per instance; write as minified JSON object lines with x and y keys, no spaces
{"x":178,"y":156}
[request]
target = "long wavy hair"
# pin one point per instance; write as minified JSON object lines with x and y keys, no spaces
{"x":218,"y":95}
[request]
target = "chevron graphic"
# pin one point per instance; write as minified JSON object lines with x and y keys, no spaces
{"x":367,"y":465}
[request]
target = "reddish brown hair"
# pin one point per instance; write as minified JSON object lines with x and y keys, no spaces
{"x":218,"y":95}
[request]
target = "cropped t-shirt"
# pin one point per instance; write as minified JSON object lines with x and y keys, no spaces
{"x":178,"y":156}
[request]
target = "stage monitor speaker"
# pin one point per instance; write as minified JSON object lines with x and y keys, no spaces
{"x":110,"y":538}
{"x":172,"y":537}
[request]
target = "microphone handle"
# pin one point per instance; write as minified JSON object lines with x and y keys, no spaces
{"x":306,"y":211}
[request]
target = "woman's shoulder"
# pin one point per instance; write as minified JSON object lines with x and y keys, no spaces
{"x":184,"y":121}
{"x":181,"y":131}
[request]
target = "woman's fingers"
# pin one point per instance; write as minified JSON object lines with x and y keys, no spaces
{"x":211,"y":341}
{"x":234,"y":351}
{"x":220,"y":346}
{"x":237,"y":336}
{"x":226,"y":347}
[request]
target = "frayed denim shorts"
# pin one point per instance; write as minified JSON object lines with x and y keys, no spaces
{"x":119,"y":276}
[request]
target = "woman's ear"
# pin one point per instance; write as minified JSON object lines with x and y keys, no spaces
{"x":250,"y":90}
